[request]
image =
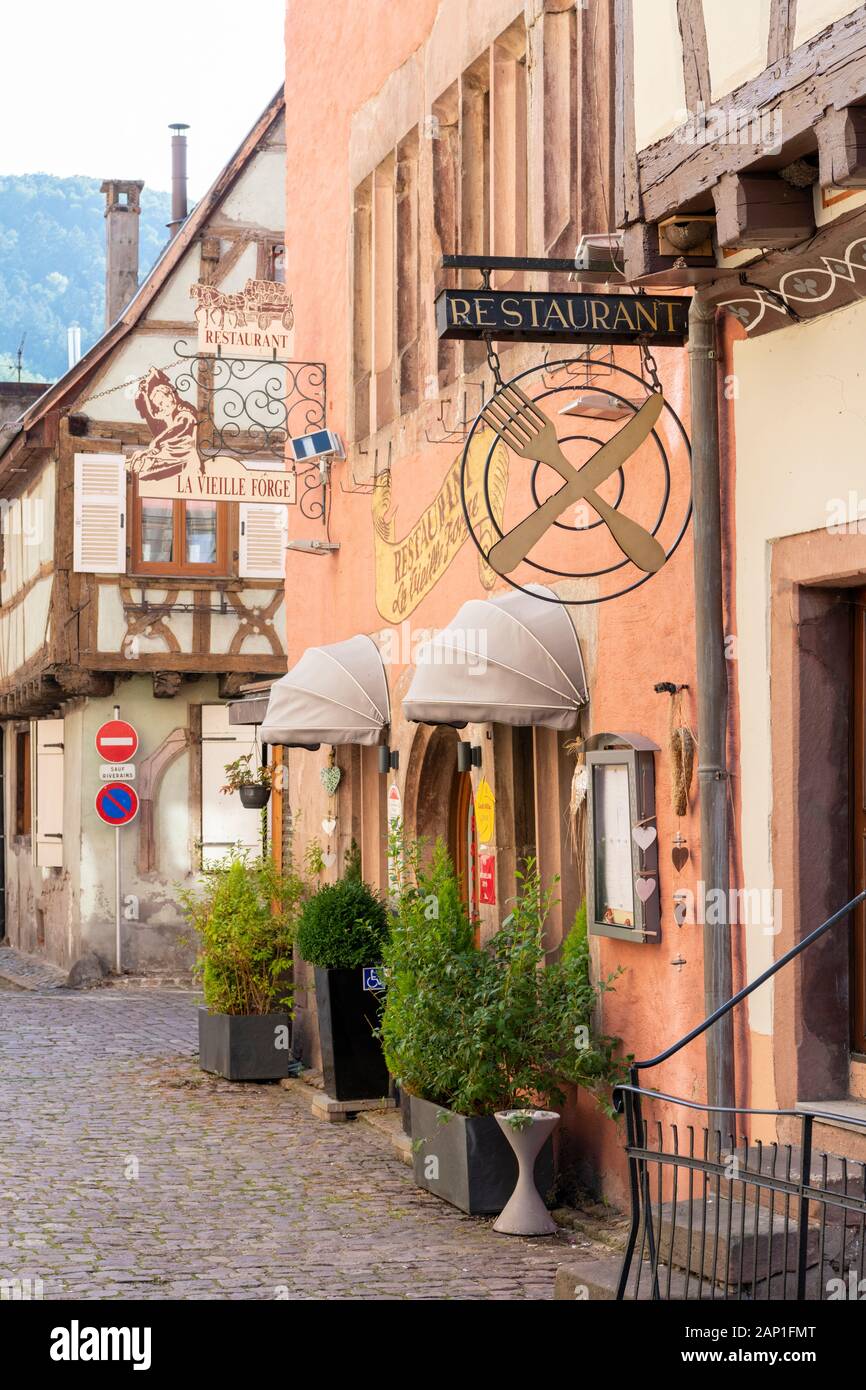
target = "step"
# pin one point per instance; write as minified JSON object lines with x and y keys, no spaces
{"x":765,"y":1248}
{"x":597,"y":1280}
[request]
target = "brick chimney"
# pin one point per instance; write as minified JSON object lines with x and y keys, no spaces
{"x":122,"y":212}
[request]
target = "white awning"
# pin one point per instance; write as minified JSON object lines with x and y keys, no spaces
{"x":335,"y":694}
{"x":514,"y":659}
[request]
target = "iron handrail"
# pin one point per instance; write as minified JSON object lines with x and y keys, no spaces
{"x":742,"y":994}
{"x":739,"y":1109}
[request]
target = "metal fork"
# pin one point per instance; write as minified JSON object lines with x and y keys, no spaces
{"x":531,"y":435}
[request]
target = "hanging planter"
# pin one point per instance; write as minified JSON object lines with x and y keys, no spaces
{"x":253,"y":784}
{"x":254,"y":796}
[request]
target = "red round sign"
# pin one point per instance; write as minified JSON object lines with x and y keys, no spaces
{"x":117,"y":803}
{"x":116,"y":741}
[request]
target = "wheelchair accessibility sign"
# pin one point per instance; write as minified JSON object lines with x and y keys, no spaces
{"x":373,"y":977}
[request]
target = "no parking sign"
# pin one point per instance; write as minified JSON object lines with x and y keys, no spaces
{"x":117,"y":803}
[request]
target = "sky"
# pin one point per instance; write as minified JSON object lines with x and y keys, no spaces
{"x":90,"y":86}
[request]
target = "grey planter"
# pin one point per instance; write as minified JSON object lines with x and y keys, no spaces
{"x":243,"y":1047}
{"x":467,"y":1160}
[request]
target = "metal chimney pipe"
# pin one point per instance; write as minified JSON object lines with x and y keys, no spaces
{"x":178,"y":176}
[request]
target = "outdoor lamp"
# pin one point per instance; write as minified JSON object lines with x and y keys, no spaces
{"x":468,"y":756}
{"x":389,"y":759}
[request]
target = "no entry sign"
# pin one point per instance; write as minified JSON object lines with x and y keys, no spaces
{"x":116,"y":741}
{"x":117,"y":803}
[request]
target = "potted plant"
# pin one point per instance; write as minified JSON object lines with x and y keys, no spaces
{"x":253,"y":786}
{"x":471,"y":1031}
{"x":245,"y":915}
{"x":342,"y":932}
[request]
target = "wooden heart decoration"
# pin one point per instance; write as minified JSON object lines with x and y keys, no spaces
{"x":329,"y":859}
{"x":330,"y":779}
{"x":643,"y":835}
{"x":645,"y":887}
{"x":680,"y":912}
{"x":329,"y":826}
{"x":679,"y":856}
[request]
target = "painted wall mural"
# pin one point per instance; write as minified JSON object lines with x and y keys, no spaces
{"x":408,"y":568}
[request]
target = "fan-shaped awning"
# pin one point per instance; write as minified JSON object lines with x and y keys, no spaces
{"x":335,"y":694}
{"x":514,"y":659}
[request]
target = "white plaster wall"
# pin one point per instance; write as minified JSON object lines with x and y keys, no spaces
{"x":815,"y":15}
{"x":173,"y":301}
{"x":259,"y":196}
{"x":659,"y":90}
{"x":800,"y":420}
{"x":737,"y":36}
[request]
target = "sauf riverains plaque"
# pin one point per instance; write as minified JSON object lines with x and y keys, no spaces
{"x":565,"y":318}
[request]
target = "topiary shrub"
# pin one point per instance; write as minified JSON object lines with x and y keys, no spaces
{"x":343,"y":925}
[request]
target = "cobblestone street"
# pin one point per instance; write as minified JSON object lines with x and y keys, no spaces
{"x":239,"y":1192}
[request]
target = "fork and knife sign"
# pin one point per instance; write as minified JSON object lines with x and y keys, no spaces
{"x":531,"y":435}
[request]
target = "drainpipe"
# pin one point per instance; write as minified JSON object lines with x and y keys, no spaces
{"x":712,"y":698}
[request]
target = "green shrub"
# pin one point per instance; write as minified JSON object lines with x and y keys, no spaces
{"x":245,"y":915}
{"x":477,"y":1030}
{"x":343,"y":924}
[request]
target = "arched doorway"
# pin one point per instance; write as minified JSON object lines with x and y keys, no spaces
{"x":439,"y":804}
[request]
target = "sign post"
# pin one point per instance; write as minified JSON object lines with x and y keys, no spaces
{"x":116,"y":800}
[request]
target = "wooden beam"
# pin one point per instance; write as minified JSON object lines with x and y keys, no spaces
{"x":696,"y":61}
{"x":783,"y":20}
{"x":842,"y":148}
{"x":627,"y":200}
{"x":752,"y":210}
{"x":827,"y":71}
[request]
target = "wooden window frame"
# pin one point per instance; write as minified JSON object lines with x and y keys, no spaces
{"x":23,"y":784}
{"x":191,"y":570}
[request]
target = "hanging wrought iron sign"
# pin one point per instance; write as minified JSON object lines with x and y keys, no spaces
{"x":248,"y":405}
{"x":633,"y":437}
{"x":536,"y":317}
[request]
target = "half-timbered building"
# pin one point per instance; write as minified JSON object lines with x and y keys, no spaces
{"x":163,"y":607}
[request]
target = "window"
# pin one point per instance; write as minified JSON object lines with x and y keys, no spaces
{"x":277,"y":263}
{"x":22,"y":783}
{"x":175,"y":537}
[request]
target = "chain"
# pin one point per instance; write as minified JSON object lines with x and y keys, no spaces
{"x":125,"y":385}
{"x":650,"y":367}
{"x":493,"y":361}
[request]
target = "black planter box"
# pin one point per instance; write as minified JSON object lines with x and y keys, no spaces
{"x":352,"y":1063}
{"x":242,"y":1047}
{"x":477,"y":1169}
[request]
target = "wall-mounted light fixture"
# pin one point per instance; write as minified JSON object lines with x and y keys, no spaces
{"x":468,"y":756}
{"x":389,"y":759}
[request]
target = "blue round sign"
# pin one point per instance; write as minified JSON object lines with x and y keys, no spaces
{"x":117,"y":803}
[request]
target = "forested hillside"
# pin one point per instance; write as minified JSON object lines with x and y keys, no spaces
{"x":52,"y":265}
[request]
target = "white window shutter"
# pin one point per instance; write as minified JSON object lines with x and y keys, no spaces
{"x":262,"y":541}
{"x":47,"y":792}
{"x":100,"y":514}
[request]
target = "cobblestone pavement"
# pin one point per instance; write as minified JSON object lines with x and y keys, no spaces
{"x":239,"y":1192}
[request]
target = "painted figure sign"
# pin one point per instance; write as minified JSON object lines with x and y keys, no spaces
{"x":171,"y":466}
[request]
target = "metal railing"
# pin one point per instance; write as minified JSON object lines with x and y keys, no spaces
{"x":717,"y":1215}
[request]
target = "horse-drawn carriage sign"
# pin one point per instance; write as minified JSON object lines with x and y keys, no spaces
{"x":257,"y":321}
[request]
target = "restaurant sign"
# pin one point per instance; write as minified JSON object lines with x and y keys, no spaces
{"x":257,"y":321}
{"x":565,"y":318}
